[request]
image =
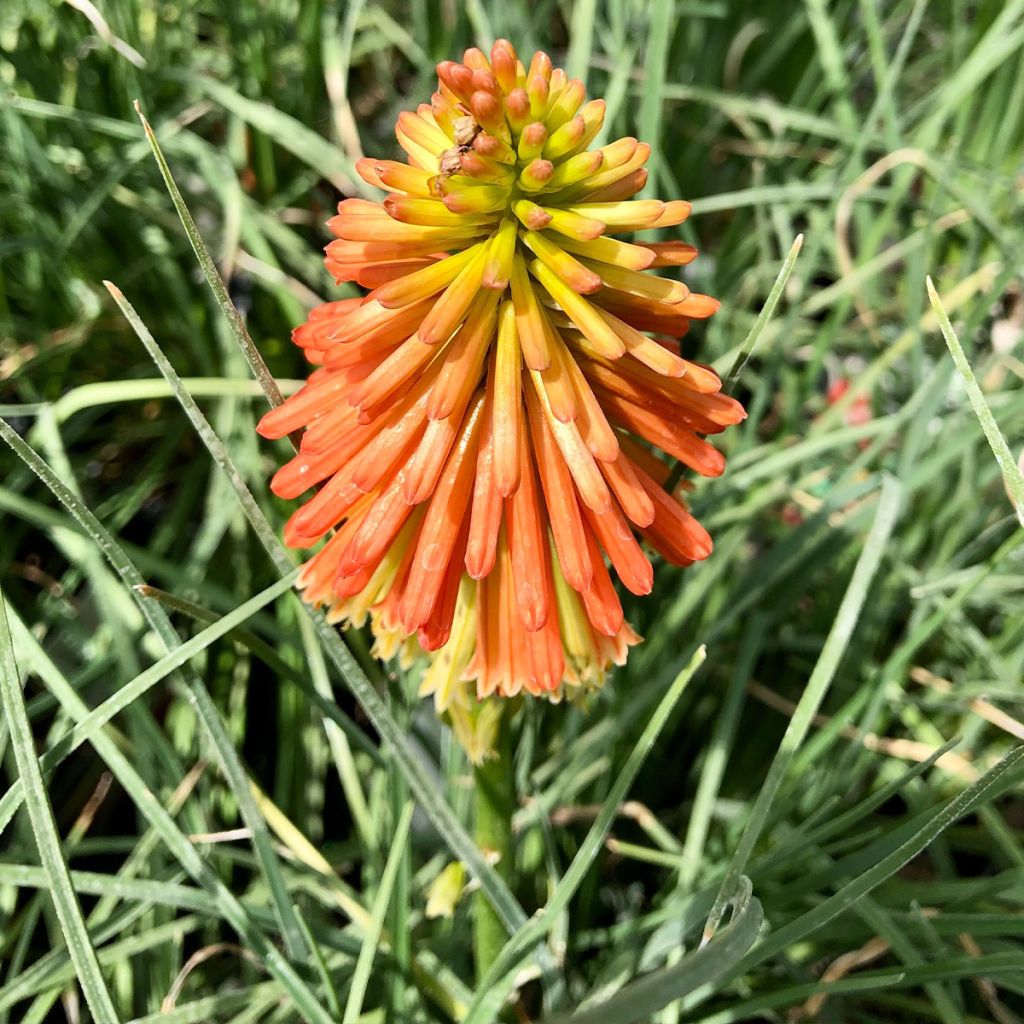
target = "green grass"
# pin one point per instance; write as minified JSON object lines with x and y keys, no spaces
{"x":205,"y":783}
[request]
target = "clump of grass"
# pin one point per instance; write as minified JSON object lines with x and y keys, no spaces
{"x":220,"y":777}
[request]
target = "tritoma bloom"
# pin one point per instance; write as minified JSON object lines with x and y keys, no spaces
{"x":485,"y":424}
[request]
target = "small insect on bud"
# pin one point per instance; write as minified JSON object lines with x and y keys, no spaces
{"x":466,"y":130}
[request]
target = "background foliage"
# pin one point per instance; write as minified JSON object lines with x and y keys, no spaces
{"x":890,"y":868}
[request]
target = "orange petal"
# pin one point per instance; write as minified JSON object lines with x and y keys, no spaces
{"x":583,"y":315}
{"x":442,"y":524}
{"x":566,"y":139}
{"x":574,"y":225}
{"x":672,"y":254}
{"x":531,"y":141}
{"x":590,"y":419}
{"x":684,"y":444}
{"x":399,"y":177}
{"x":628,"y":490}
{"x":632,"y":282}
{"x":506,"y":388}
{"x":450,"y":309}
{"x":622,"y":216}
{"x":558,"y":384}
{"x":528,"y":546}
{"x":676,"y":535}
{"x":560,"y":498}
{"x":610,"y":250}
{"x":378,"y":528}
{"x":530,"y":320}
{"x":578,"y":277}
{"x":392,"y":372}
{"x":676,"y":211}
{"x":464,"y":357}
{"x":578,"y":457}
{"x":302,"y":407}
{"x":623,"y":551}
{"x":423,"y":132}
{"x":600,"y":600}
{"x":485,"y":516}
{"x":430,"y":213}
{"x":576,"y":170}
{"x":437,"y":630}
{"x":501,"y":249}
{"x":530,"y":215}
{"x":421,"y":284}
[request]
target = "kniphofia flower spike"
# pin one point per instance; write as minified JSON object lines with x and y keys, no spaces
{"x":484,"y":424}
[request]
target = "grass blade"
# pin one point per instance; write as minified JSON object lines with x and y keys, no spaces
{"x":44,"y":827}
{"x":371,"y":937}
{"x":1012,"y":474}
{"x":638,"y":1000}
{"x":581,"y":39}
{"x":209,"y":268}
{"x":1007,"y":773}
{"x":659,"y":38}
{"x":817,"y":686}
{"x":763,"y":318}
{"x":267,"y":654}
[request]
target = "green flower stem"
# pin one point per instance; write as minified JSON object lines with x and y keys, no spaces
{"x":495,"y":803}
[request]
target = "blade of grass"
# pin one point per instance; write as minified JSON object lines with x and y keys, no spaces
{"x":659,"y":37}
{"x":998,"y":779}
{"x":763,"y":318}
{"x":581,"y":39}
{"x":817,"y":686}
{"x":330,"y":992}
{"x":891,"y":855}
{"x":750,"y":342}
{"x":209,"y":269}
{"x":44,"y":827}
{"x":371,"y":937}
{"x":719,"y":748}
{"x":645,"y":996}
{"x":1012,"y":475}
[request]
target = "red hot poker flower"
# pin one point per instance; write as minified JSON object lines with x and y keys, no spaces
{"x":484,"y":424}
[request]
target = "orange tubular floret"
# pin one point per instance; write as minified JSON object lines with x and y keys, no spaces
{"x":450,"y":309}
{"x":487,"y":506}
{"x":628,"y":490}
{"x":464,"y":358}
{"x":482,"y":431}
{"x":441,"y":527}
{"x":435,"y":632}
{"x":560,"y":498}
{"x":505,"y":384}
{"x":529,"y":318}
{"x":528,"y":547}
{"x":623,"y":551}
{"x":578,"y":457}
{"x":602,"y":603}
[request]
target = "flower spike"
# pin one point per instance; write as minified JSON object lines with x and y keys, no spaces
{"x":486,"y":425}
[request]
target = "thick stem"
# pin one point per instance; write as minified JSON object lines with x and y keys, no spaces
{"x":494,"y":786}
